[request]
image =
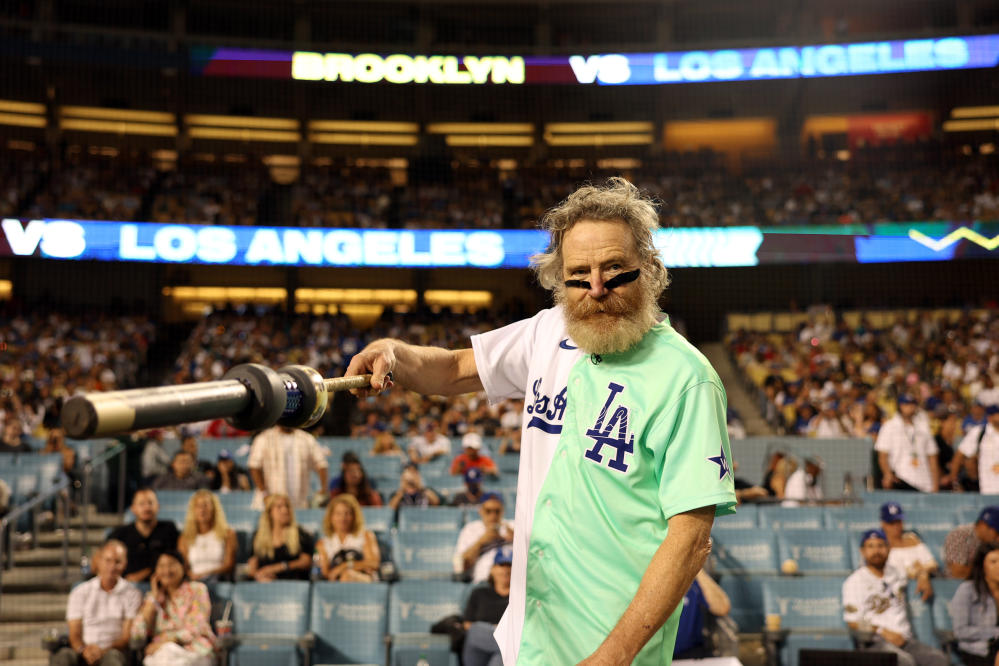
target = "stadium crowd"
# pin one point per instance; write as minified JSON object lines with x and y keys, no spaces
{"x":911,"y":183}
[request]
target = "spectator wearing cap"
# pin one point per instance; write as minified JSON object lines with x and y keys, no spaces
{"x":429,"y":445}
{"x":804,"y":486}
{"x":981,"y":446}
{"x":353,"y":480}
{"x":479,"y":539}
{"x":483,"y":611}
{"x":473,"y":492}
{"x":874,"y":601}
{"x":828,"y":424}
{"x":907,"y":452}
{"x":961,"y":542}
{"x":907,"y":552}
{"x":411,"y":491}
{"x":227,"y":476}
{"x":472,"y":457}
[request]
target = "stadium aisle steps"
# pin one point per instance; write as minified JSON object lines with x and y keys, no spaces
{"x":738,"y":398}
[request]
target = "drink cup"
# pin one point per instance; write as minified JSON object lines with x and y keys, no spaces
{"x":773,"y":622}
{"x":223,"y":627}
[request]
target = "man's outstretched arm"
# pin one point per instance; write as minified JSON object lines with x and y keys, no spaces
{"x":667,"y":578}
{"x":427,"y":370}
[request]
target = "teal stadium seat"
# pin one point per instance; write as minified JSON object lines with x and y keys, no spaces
{"x":825,"y":553}
{"x":744,"y":551}
{"x":746,"y":595}
{"x":236,"y":500}
{"x":350,"y":622}
{"x":384,"y":469}
{"x":174,"y":498}
{"x":268,"y":621}
{"x":908,"y":499}
{"x":311,"y":520}
{"x":424,"y":554}
{"x":930,"y":518}
{"x":968,"y":515}
{"x":811,"y":609}
{"x":414,"y":606}
{"x":850,"y":519}
{"x":438,"y":468}
{"x":378,"y":518}
{"x":508,"y":464}
{"x":921,"y":616}
{"x":793,"y":518}
{"x":431,"y":519}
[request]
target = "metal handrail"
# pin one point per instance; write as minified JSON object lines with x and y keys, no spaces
{"x":31,"y":505}
{"x":88,"y":469}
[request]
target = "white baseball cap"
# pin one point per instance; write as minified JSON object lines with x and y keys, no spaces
{"x":471,"y":441}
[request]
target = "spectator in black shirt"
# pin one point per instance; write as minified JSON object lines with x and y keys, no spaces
{"x":473,"y":492}
{"x":485,"y":607}
{"x":227,"y":476}
{"x":146,"y":538}
{"x":182,"y":474}
{"x":281,"y":549}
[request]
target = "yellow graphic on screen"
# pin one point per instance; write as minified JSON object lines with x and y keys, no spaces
{"x":953,"y":237}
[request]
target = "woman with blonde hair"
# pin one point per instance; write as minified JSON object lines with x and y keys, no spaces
{"x":348,"y":553}
{"x":207,"y":542}
{"x":281,"y":549}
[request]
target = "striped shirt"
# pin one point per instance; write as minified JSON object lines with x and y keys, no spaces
{"x":286,"y":459}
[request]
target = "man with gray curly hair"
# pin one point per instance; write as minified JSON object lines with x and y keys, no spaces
{"x":624,"y":448}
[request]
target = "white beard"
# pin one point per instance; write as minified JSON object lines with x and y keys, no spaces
{"x":613,"y":325}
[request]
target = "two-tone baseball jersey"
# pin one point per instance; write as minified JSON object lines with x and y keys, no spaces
{"x":612,"y":447}
{"x":879,"y":601}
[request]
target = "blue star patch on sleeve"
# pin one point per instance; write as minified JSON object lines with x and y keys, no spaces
{"x":722,"y":463}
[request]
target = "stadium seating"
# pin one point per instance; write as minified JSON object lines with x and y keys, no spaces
{"x":270,"y":621}
{"x":746,"y":596}
{"x":744,"y":551}
{"x":930,"y":518}
{"x":378,"y":518}
{"x":811,"y":611}
{"x":350,"y":622}
{"x":414,"y":606}
{"x":793,"y":518}
{"x":431,"y":519}
{"x":825,"y":553}
{"x":424,"y":555}
{"x":746,"y":517}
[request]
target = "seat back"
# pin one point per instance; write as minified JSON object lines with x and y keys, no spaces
{"x":378,"y":518}
{"x":943,"y":593}
{"x":431,"y":519}
{"x":174,"y":498}
{"x":278,"y":608}
{"x":931,"y":518}
{"x":746,"y":596}
{"x":793,"y":518}
{"x":424,"y":554}
{"x":744,"y":551}
{"x":350,"y":622}
{"x":921,"y":615}
{"x":416,"y":605}
{"x":815,"y":552}
{"x":805,"y":603}
{"x":386,"y":469}
{"x":852,"y":519}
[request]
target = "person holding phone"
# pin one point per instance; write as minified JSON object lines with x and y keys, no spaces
{"x":175,"y":617}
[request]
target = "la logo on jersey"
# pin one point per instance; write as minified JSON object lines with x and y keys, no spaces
{"x":605,"y":435}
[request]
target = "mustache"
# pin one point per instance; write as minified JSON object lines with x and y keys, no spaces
{"x":611,"y":304}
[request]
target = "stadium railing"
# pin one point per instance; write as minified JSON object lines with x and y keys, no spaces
{"x":58,"y":491}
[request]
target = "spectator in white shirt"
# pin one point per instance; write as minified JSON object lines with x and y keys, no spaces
{"x":981,"y":444}
{"x":804,"y":486}
{"x":907,"y":452}
{"x":874,"y":601}
{"x":100,"y":612}
{"x":479,"y":539}
{"x":281,"y":460}
{"x":431,"y":444}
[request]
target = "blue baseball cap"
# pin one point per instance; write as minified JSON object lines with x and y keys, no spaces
{"x":990,"y":516}
{"x":225,"y":455}
{"x":491,"y":496}
{"x":873,"y":534}
{"x":906,"y":399}
{"x":891,"y":512}
{"x":473,"y":476}
{"x":992,"y":409}
{"x":504,"y":555}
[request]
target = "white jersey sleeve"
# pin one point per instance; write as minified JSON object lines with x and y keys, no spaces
{"x":969,"y":445}
{"x":854,"y":594}
{"x":503,"y":357}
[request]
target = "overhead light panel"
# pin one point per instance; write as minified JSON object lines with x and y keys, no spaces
{"x":975,"y":112}
{"x":598,"y":134}
{"x":22,"y":114}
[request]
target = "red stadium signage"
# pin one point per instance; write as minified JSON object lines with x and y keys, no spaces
{"x":887,"y":128}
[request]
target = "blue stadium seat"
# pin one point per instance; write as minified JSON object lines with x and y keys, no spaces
{"x":424,"y":554}
{"x":235,"y":501}
{"x":386,"y":469}
{"x":811,"y":608}
{"x":244,"y":541}
{"x":508,"y":464}
{"x":340,"y":445}
{"x":744,"y":551}
{"x":747,"y":517}
{"x":921,"y":615}
{"x":437,"y":468}
{"x":908,"y":499}
{"x":431,"y":519}
{"x":243,"y":515}
{"x":378,"y":518}
{"x":269,"y":619}
{"x":850,"y":519}
{"x":746,"y":595}
{"x":311,"y":520}
{"x":934,"y":540}
{"x":793,"y":518}
{"x":968,"y":515}
{"x":23,"y":485}
{"x":816,"y":552}
{"x":931,"y":518}
{"x":174,"y":498}
{"x":982,"y":501}
{"x":350,"y":622}
{"x":414,"y":606}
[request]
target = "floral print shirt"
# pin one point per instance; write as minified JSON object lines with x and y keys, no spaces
{"x":185,"y":619}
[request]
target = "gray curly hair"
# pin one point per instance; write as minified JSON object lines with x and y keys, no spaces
{"x":617,"y":199}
